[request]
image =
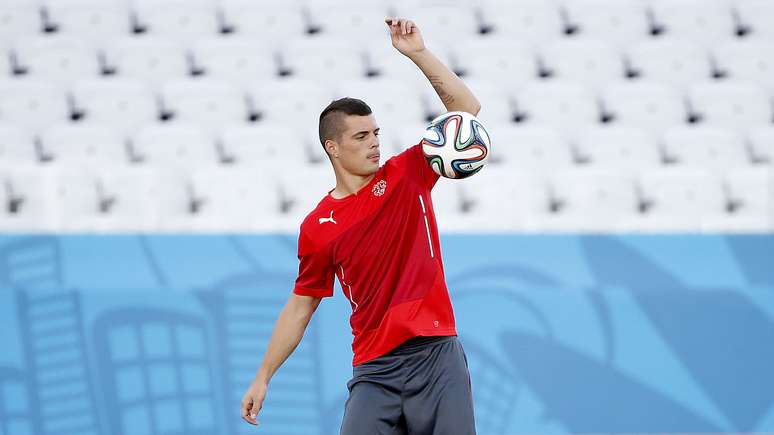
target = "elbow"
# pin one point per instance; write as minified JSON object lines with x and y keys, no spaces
{"x":476,"y":108}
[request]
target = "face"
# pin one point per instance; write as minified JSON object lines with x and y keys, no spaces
{"x":358,"y":146}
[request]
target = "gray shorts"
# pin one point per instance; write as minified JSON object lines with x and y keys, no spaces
{"x":422,"y":387}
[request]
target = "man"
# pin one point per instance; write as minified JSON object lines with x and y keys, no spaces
{"x":376,"y":232}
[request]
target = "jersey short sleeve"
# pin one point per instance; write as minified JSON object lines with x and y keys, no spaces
{"x":415,"y":164}
{"x":315,"y":270}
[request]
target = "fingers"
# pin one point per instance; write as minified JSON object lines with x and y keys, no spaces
{"x":247,"y":414}
{"x":400,"y":25}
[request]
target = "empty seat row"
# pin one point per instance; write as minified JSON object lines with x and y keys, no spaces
{"x":593,"y":62}
{"x":239,"y":200}
{"x":525,"y":20}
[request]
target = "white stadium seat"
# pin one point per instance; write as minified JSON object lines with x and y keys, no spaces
{"x":181,"y":20}
{"x":588,"y":61}
{"x":27,"y":201}
{"x":506,"y":61}
{"x":207,"y":103}
{"x":60,"y":59}
{"x":591,"y":200}
{"x":122,"y":104}
{"x":301,"y":191}
{"x":263,"y":146}
{"x":757,"y":15}
{"x":241,"y":61}
{"x":271,"y":23}
{"x":706,"y":147}
{"x":446,"y":24}
{"x":558,"y":104}
{"x":618,"y":147}
{"x":762,"y":144}
{"x":19,"y":19}
{"x":95,"y":20}
{"x":328,"y":60}
{"x":238,"y":200}
{"x":620,"y":22}
{"x":152,"y":60}
{"x":32,"y":104}
{"x":174,"y":202}
{"x":178,"y":145}
{"x":5,"y":63}
{"x":751,"y":191}
{"x":732,"y":104}
{"x":748,"y":60}
{"x":83,"y":146}
{"x":290,"y":102}
{"x":646,"y":105}
{"x":529,"y":20}
{"x":672,"y":61}
{"x":682,"y":196}
{"x":356,"y":21}
{"x":17,"y":147}
{"x":531,"y":148}
{"x":701,"y":21}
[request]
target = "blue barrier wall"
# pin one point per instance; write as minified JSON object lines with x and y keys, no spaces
{"x":162,"y":334}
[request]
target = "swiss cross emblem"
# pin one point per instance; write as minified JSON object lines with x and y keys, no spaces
{"x":379,"y":188}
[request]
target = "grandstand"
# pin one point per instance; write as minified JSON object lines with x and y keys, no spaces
{"x":201,"y":115}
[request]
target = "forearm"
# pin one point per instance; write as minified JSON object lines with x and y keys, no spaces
{"x":453,"y":92}
{"x":288,"y":332}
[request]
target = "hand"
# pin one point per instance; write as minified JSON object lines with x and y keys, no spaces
{"x":252,"y":401}
{"x":405,"y":35}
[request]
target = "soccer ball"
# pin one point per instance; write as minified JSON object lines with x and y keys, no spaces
{"x":456,"y":145}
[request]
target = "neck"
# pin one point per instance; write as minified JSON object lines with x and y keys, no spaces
{"x":347,"y":184}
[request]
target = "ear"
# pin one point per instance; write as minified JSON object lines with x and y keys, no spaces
{"x":332,"y":147}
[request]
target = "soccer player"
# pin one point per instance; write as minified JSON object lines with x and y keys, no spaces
{"x":376,"y":231}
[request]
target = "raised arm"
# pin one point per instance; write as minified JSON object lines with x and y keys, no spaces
{"x":452,"y":91}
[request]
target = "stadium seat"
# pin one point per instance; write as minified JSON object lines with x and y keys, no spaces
{"x":555,"y":103}
{"x":301,"y":191}
{"x":751,"y":191}
{"x":384,"y":62}
{"x":670,"y":61}
{"x":681,"y":196}
{"x":60,"y":60}
{"x":529,"y":20}
{"x":403,"y":135}
{"x":621,"y":22}
{"x":732,"y":104}
{"x":94,"y":20}
{"x":17,"y":147}
{"x":6,"y":69}
{"x":507,"y":62}
{"x":353,"y":21}
{"x":328,"y":60}
{"x":19,"y":19}
{"x":701,"y":21}
{"x":264,"y":146}
{"x":176,"y":146}
{"x":590,"y":200}
{"x":619,"y":147}
{"x":531,"y":148}
{"x":271,"y":23}
{"x":757,"y":16}
{"x":180,"y":20}
{"x":291,"y":102}
{"x":152,"y":60}
{"x":27,"y":201}
{"x":83,"y":146}
{"x":705,"y":147}
{"x":446,"y":23}
{"x":241,"y":61}
{"x":587,"y":61}
{"x":496,"y":101}
{"x":32,"y":104}
{"x":761,"y":142}
{"x":207,"y":103}
{"x":747,"y":60}
{"x":122,"y":104}
{"x":174,"y":203}
{"x":238,"y":199}
{"x":646,"y":105}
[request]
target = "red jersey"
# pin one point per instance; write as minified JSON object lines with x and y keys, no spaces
{"x":382,"y":244}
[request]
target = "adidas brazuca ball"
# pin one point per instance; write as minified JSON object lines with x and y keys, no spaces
{"x":456,"y":145}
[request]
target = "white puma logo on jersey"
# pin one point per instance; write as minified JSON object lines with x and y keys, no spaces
{"x":328,"y":219}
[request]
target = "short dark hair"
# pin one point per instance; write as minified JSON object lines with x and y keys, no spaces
{"x":331,"y":119}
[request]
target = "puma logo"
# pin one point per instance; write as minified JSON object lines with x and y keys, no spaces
{"x":328,"y":219}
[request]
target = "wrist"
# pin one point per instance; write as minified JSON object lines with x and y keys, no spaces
{"x":263,"y":376}
{"x":418,"y":54}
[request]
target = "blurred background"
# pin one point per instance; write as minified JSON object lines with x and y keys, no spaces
{"x":611,"y":268}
